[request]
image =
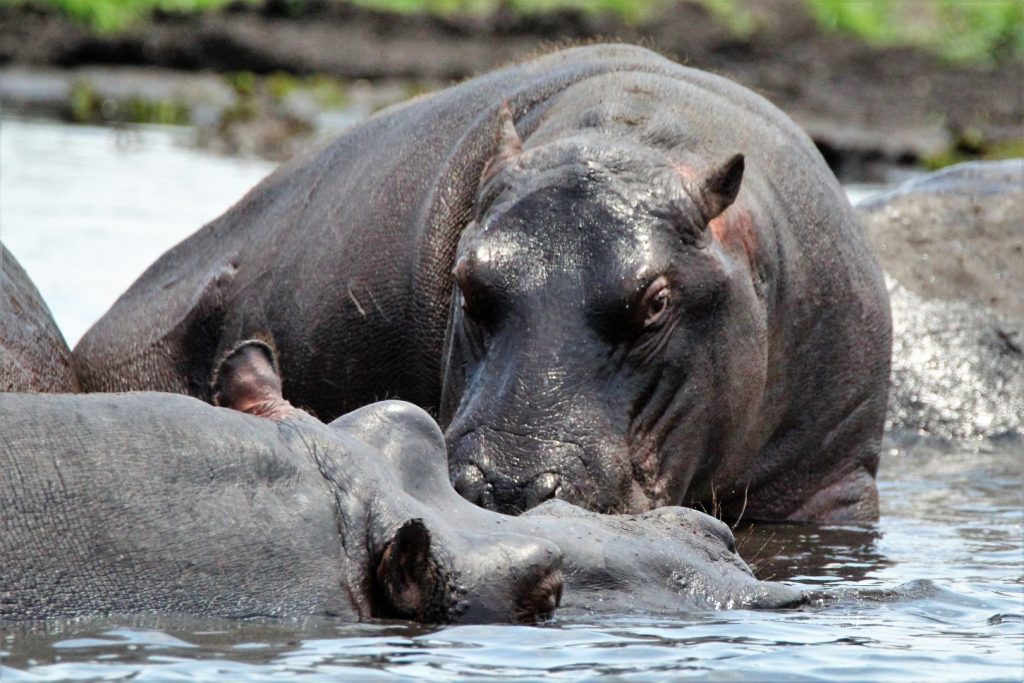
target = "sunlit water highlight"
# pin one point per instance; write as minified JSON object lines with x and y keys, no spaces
{"x":934,"y":592}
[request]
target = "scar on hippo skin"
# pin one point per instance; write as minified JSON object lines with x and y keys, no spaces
{"x":248,"y":379}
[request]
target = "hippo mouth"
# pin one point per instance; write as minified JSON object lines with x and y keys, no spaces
{"x":471,"y":483}
{"x":479,"y":476}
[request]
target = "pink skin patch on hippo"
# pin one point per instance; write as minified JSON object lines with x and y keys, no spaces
{"x":734,"y":230}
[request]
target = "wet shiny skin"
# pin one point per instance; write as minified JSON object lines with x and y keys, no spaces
{"x":949,"y":518}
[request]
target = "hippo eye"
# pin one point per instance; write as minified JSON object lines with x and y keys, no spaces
{"x":656,"y":302}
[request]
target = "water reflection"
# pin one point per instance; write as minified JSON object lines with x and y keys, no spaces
{"x":810,"y":554}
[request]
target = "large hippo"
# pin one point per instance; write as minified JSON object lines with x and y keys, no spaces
{"x":953,"y":245}
{"x":33,"y":353}
{"x":618,"y":281}
{"x":156,"y":502}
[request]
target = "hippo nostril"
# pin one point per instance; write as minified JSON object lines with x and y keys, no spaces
{"x":470,"y":483}
{"x":542,"y":488}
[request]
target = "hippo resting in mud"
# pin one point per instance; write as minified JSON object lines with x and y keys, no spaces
{"x":953,"y":245}
{"x":635,"y":285}
{"x":156,"y":502}
{"x":33,"y":353}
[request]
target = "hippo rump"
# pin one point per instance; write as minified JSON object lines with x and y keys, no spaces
{"x":618,"y":281}
{"x":33,"y":353}
{"x":157,"y":502}
{"x":952,"y":244}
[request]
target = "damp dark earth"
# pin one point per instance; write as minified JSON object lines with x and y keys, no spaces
{"x":934,"y":591}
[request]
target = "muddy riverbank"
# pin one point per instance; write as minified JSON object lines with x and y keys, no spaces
{"x":869,"y":109}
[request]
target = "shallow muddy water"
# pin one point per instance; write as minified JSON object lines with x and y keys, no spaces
{"x":935,"y":591}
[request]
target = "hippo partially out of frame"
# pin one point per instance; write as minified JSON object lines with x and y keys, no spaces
{"x":33,"y":353}
{"x":953,"y":245}
{"x":150,"y":502}
{"x":618,"y":281}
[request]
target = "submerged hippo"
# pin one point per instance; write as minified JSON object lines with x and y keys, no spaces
{"x":620,"y":282}
{"x":156,"y":502}
{"x":33,"y":353}
{"x":953,"y":245}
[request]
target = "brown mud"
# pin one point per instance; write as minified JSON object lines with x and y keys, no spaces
{"x":869,"y":109}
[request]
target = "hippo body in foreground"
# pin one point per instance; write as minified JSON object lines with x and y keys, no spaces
{"x":619,"y":281}
{"x":151,"y":502}
{"x":160,"y":503}
{"x":33,"y":353}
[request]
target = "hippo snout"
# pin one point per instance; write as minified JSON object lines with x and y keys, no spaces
{"x":472,"y":484}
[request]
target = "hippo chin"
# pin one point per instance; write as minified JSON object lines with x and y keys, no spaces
{"x":619,"y":282}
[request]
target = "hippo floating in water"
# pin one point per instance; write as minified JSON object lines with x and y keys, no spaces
{"x":33,"y":353}
{"x":156,"y":502}
{"x":953,"y":245}
{"x":619,"y":282}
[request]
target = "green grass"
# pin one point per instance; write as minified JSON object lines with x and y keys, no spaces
{"x":629,"y":10}
{"x":109,"y":16}
{"x":978,"y":31}
{"x":958,"y":30}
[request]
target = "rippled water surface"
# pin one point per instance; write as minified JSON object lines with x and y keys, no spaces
{"x":934,"y":592}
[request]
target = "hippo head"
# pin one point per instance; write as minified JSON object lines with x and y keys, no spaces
{"x":606,"y":342}
{"x":404,"y":557}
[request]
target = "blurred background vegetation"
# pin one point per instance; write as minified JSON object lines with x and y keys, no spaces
{"x":960,"y":31}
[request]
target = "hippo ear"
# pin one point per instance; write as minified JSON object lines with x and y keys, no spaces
{"x":248,"y":379}
{"x":507,"y":145}
{"x":407,"y":577}
{"x":719,"y":188}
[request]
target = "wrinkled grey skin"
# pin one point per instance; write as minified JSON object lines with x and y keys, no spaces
{"x":619,"y":184}
{"x":953,"y":245}
{"x":148,"y":502}
{"x":33,"y":354}
{"x":160,"y":503}
{"x":667,"y":560}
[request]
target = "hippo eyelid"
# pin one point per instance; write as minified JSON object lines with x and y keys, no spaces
{"x":656,"y":301}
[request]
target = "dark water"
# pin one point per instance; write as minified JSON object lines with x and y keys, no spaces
{"x":935,"y":591}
